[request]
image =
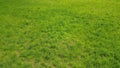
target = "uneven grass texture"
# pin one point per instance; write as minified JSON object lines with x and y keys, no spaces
{"x":59,"y":33}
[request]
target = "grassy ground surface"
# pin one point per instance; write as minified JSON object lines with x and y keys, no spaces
{"x":59,"y":33}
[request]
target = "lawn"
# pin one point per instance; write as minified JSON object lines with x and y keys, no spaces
{"x":59,"y":33}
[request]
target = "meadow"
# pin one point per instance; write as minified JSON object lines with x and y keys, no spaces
{"x":59,"y":33}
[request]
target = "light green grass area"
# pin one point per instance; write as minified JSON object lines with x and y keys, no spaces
{"x":59,"y":33}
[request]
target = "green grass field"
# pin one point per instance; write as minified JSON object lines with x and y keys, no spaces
{"x":59,"y":33}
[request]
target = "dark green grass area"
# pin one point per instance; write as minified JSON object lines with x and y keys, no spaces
{"x":59,"y":34}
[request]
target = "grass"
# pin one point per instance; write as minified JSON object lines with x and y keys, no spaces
{"x":59,"y":34}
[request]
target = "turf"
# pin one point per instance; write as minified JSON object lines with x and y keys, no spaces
{"x":59,"y":33}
